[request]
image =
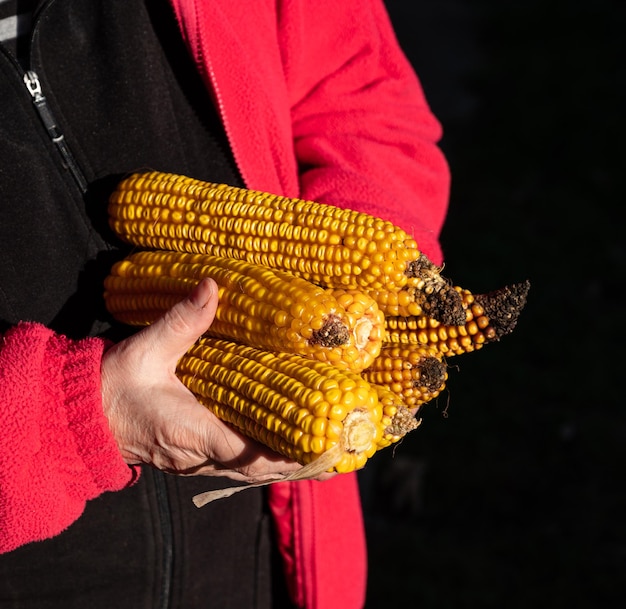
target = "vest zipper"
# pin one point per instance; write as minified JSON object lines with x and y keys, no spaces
{"x":33,"y":84}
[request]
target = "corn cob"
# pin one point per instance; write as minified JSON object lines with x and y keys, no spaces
{"x":488,"y":317}
{"x":257,"y":305}
{"x":325,"y":244}
{"x":411,"y":371}
{"x":303,"y":409}
{"x":398,"y":419}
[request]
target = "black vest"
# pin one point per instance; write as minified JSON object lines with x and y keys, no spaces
{"x":122,"y":95}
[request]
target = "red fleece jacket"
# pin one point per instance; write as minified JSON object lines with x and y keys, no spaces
{"x":318,"y":102}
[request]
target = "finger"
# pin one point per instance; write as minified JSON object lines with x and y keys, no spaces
{"x":229,"y":449}
{"x":176,"y":331}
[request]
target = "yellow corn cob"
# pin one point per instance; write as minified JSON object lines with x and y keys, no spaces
{"x":411,"y":371}
{"x":330,"y":246}
{"x":488,"y":317}
{"x":302,"y":409}
{"x":257,"y":306}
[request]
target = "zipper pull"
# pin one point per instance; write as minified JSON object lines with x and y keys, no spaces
{"x":33,"y":84}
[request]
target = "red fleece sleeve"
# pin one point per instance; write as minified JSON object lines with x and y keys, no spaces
{"x":56,"y":449}
{"x":364,"y":135}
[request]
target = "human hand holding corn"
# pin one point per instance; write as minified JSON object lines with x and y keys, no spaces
{"x":156,"y":420}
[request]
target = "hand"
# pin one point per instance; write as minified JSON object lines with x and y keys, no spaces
{"x":157,"y":420}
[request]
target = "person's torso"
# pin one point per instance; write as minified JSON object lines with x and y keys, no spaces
{"x":122,"y":100}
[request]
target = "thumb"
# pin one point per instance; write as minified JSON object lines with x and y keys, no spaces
{"x":180,"y":327}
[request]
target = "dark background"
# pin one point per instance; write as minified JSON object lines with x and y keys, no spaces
{"x":511,"y":494}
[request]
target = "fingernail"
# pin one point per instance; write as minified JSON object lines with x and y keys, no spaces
{"x":201,"y":294}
